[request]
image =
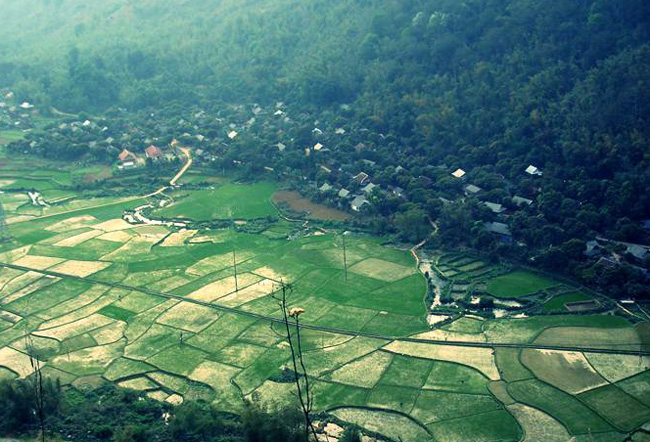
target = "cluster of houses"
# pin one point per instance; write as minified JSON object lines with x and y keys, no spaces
{"x":499,"y":228}
{"x":14,"y":116}
{"x":129,"y":160}
{"x":355,"y":200}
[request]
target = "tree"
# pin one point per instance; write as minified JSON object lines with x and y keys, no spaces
{"x":413,"y":225}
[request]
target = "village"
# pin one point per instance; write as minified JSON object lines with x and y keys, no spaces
{"x":331,"y":160}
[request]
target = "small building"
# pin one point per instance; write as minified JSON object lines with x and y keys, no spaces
{"x":500,"y":229}
{"x":459,"y":173}
{"x":325,"y":187}
{"x":153,"y":152}
{"x":361,"y":178}
{"x":638,"y":251}
{"x":520,"y":201}
{"x":532,"y":170}
{"x":495,"y":207}
{"x":126,"y":156}
{"x":281,"y":147}
{"x":592,"y":248}
{"x":608,"y":263}
{"x":368,"y":189}
{"x":358,"y":202}
{"x":318,"y":146}
{"x":344,"y":193}
{"x":233,"y":134}
{"x":340,"y":131}
{"x":471,"y":189}
{"x":317,"y":131}
{"x":278,"y":113}
{"x":26,"y":105}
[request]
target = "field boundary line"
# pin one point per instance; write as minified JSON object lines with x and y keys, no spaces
{"x":237,"y":310}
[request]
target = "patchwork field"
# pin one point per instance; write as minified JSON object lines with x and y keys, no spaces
{"x":184,"y":315}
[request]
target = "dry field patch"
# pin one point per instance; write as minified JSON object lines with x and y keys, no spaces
{"x":120,"y":236}
{"x":618,"y":367}
{"x":15,"y":254}
{"x":481,"y":359}
{"x":72,"y":223}
{"x":81,"y":269}
{"x":364,"y":372}
{"x":268,"y":273}
{"x":444,"y":335}
{"x":16,"y":361}
{"x":188,"y":316}
{"x":113,"y":225}
{"x":109,"y":334}
{"x":538,"y":426}
{"x":39,"y":284}
{"x":617,"y":338}
{"x":136,"y":247}
{"x":76,"y":328}
{"x":78,"y":239}
{"x":38,"y":262}
{"x":382,"y":270}
{"x":94,"y":359}
{"x":217,"y":262}
{"x":178,"y":238}
{"x":250,"y":293}
{"x":567,"y":370}
{"x":74,"y":304}
{"x":222,"y":287}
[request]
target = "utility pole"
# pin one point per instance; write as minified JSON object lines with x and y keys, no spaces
{"x":234,"y":264}
{"x":4,"y":230}
{"x":345,"y":258}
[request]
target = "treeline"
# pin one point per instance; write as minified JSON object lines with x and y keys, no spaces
{"x":112,"y":414}
{"x":489,"y":86}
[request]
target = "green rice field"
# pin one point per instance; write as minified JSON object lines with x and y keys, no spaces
{"x":165,"y":313}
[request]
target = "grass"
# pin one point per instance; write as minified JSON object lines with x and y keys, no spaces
{"x":510,"y":367}
{"x":571,"y":412}
{"x":238,"y":201}
{"x":118,"y":313}
{"x":446,"y":376}
{"x":518,"y":284}
{"x":393,"y":425}
{"x":527,"y":329}
{"x":8,"y":136}
{"x":568,"y":371}
{"x":465,"y":325}
{"x":392,"y":397}
{"x":556,"y":304}
{"x":407,"y":372}
{"x":433,"y":406}
{"x":624,"y":411}
{"x":496,"y":425}
{"x":637,"y":386}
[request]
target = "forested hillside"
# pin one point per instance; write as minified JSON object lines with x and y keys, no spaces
{"x":489,"y":86}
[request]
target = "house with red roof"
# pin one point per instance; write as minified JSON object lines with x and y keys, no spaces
{"x":127,"y":158}
{"x":153,"y":152}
